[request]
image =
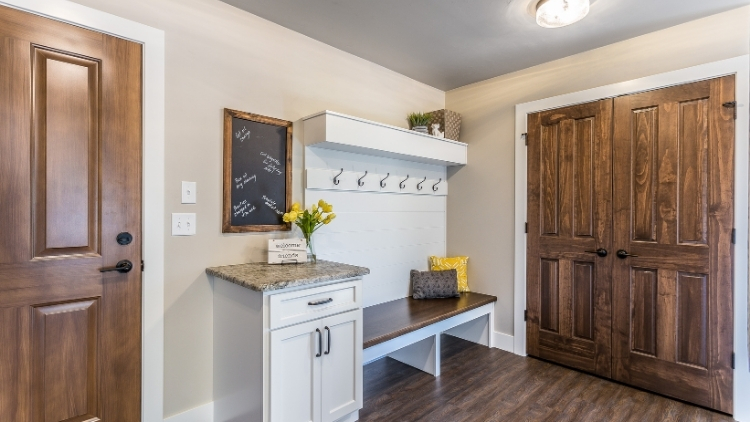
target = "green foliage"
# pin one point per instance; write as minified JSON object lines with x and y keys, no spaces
{"x":419,"y":119}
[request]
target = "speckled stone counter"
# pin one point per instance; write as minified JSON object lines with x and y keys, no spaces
{"x":264,"y":277}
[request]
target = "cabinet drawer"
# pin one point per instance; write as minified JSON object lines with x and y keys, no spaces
{"x":308,"y":304}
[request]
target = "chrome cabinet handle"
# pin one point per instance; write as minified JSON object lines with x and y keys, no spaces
{"x":328,"y":350}
{"x":320,"y":343}
{"x":601,"y":252}
{"x":622,"y":254}
{"x":320,"y":302}
{"x":123,"y":266}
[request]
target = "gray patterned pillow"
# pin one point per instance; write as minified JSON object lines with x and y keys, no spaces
{"x":434,"y":284}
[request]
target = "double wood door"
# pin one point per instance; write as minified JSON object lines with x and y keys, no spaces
{"x":70,"y":184}
{"x":629,"y":259}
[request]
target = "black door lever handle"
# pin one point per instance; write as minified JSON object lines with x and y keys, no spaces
{"x":622,"y":254}
{"x":123,"y":266}
{"x":601,"y":252}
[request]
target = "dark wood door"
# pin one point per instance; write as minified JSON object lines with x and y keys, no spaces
{"x":673,"y":213}
{"x":569,"y":217}
{"x":70,"y":181}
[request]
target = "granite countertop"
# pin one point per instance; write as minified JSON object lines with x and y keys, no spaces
{"x":265,"y":277}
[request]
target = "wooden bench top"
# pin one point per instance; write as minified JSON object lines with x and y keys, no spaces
{"x":395,"y":318}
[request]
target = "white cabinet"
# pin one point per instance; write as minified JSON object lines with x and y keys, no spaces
{"x":292,"y":355}
{"x":316,"y":369}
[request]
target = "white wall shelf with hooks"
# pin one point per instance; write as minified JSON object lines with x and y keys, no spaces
{"x":324,"y":179}
{"x":331,"y":130}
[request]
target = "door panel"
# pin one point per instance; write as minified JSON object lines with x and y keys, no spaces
{"x":341,"y":371}
{"x":569,"y":194}
{"x":64,"y":352}
{"x":295,"y":373}
{"x":66,"y":153}
{"x":70,"y":181}
{"x":673,"y":195}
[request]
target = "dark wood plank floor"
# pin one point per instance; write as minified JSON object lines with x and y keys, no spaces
{"x":481,"y":384}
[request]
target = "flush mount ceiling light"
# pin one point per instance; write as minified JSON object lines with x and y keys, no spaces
{"x":557,"y":13}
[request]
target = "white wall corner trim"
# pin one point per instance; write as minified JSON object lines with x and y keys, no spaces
{"x":739,"y":66}
{"x":502,"y":341}
{"x":203,"y":413}
{"x":153,"y":178}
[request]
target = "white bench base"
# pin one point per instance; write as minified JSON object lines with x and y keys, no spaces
{"x":421,"y":348}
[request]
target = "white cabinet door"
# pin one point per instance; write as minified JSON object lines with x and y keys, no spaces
{"x":341,"y":365}
{"x":295,"y":373}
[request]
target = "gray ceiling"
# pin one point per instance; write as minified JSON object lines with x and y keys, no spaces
{"x":451,"y":43}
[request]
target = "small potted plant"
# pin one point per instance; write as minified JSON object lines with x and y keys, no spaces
{"x":309,"y":221}
{"x":418,"y":121}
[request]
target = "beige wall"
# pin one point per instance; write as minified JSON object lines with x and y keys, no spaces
{"x":218,"y":56}
{"x":480,"y":206}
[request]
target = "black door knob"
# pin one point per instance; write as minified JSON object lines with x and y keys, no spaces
{"x":601,"y":252}
{"x":123,"y":266}
{"x":622,"y":254}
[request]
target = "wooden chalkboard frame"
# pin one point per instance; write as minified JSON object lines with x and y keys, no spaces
{"x":227,"y":226}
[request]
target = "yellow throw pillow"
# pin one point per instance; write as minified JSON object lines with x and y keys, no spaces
{"x":458,"y":263}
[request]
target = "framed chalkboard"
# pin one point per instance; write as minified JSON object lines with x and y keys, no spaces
{"x":257,"y":172}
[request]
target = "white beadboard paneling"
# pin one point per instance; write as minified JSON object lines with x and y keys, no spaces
{"x":390,"y":233}
{"x":383,"y":257}
{"x":320,"y":158}
{"x":376,"y":202}
{"x":411,"y":183}
{"x":365,"y":241}
{"x":375,"y":294}
{"x":362,"y":221}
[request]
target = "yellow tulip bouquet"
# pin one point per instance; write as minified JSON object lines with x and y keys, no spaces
{"x":310,"y":220}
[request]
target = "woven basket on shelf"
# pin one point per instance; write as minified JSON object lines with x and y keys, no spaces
{"x":450,"y":123}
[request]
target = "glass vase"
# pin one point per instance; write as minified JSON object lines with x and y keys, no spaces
{"x":311,"y":258}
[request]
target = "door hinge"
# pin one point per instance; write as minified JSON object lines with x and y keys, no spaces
{"x":731,"y":104}
{"x":732,"y":360}
{"x":142,"y":265}
{"x":525,"y":227}
{"x":525,"y":138}
{"x":734,"y":236}
{"x":525,"y":315}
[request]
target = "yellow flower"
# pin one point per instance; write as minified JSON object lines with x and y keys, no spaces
{"x":329,"y":218}
{"x":313,"y":208}
{"x":285,"y":217}
{"x":295,"y":206}
{"x":327,"y":208}
{"x":322,"y":203}
{"x":320,"y":217}
{"x":292,"y":216}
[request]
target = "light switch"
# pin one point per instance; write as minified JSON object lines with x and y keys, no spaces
{"x":183,"y":224}
{"x":188,"y":192}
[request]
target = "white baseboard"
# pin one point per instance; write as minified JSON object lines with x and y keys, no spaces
{"x":502,"y":341}
{"x":204,"y":413}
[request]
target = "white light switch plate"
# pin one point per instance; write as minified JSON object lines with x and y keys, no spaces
{"x":188,"y":192}
{"x":183,"y":224}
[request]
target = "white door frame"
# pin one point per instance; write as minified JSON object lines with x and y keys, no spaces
{"x":152,"y":399}
{"x":739,"y":66}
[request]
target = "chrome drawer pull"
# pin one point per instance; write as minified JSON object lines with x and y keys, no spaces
{"x":320,"y":302}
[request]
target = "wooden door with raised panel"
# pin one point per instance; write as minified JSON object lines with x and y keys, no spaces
{"x":70,"y":182}
{"x":673,"y":217}
{"x":569,"y":216}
